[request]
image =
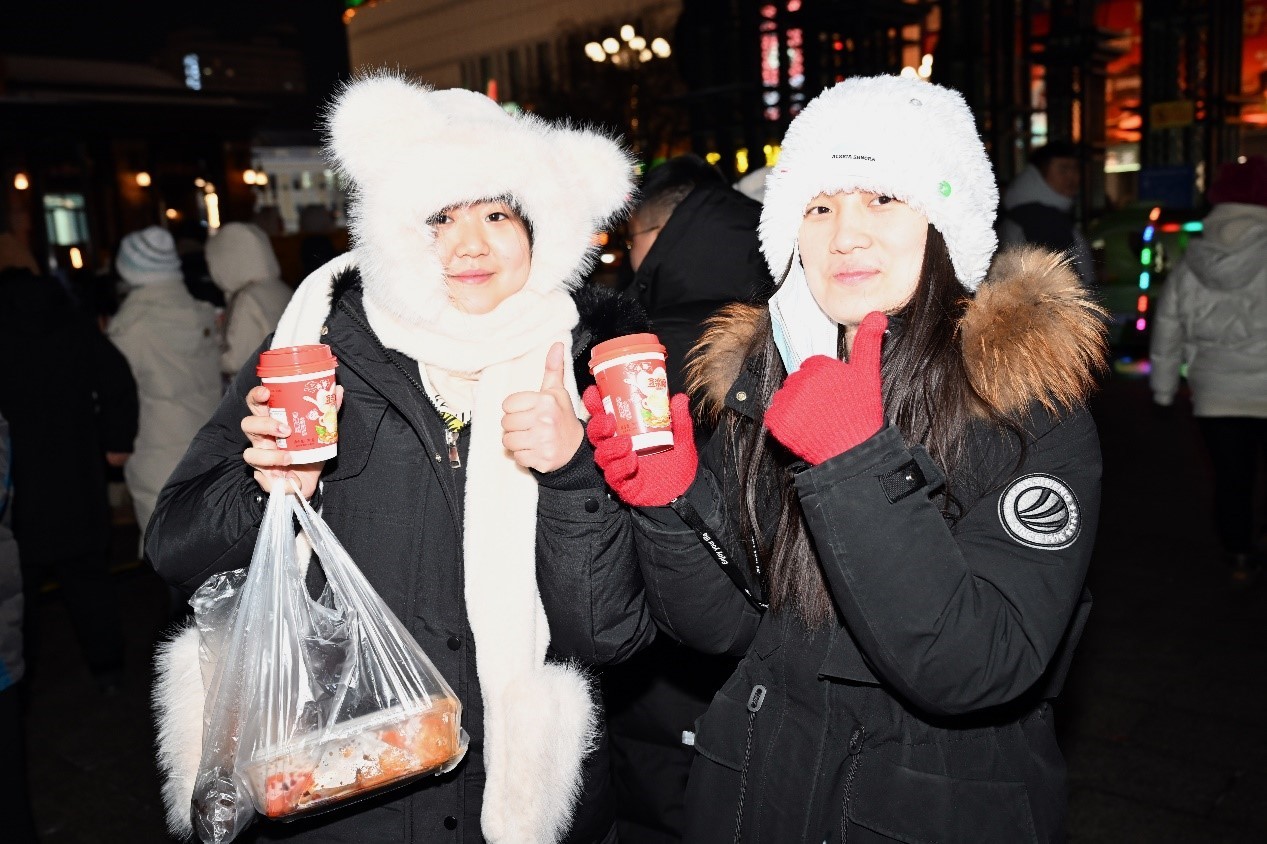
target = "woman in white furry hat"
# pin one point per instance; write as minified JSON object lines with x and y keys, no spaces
{"x":462,"y":475}
{"x":905,"y":461}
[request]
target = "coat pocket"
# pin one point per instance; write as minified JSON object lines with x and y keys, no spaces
{"x":718,"y":802}
{"x":922,"y":808}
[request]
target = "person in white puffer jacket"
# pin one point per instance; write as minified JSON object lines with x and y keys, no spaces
{"x":241,"y":261}
{"x":169,"y":339}
{"x":1212,"y":316}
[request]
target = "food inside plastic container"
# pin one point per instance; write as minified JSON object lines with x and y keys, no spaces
{"x":356,"y":757}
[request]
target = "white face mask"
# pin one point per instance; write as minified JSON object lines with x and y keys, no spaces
{"x":801,"y":329}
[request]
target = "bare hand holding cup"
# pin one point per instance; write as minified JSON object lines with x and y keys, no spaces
{"x":271,"y":463}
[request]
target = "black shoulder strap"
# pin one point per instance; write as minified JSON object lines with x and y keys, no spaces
{"x":708,"y":539}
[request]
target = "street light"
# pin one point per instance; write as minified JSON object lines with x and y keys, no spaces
{"x":630,"y":52}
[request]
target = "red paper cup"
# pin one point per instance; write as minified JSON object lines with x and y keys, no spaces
{"x":631,"y":379}
{"x":300,"y":381}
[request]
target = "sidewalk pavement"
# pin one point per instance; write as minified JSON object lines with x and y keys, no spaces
{"x":1163,"y":717}
{"x":1162,"y":720}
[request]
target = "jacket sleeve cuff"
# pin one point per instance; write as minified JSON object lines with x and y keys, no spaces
{"x":703,"y":495}
{"x":579,"y":473}
{"x":899,"y":470}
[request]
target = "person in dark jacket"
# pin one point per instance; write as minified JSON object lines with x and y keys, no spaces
{"x":693,"y":244}
{"x":463,"y":487}
{"x":905,"y":461}
{"x":1038,"y":207}
{"x":693,"y":248}
{"x":71,"y":403}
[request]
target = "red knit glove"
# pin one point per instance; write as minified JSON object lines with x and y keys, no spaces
{"x":643,"y":480}
{"x":827,"y":406}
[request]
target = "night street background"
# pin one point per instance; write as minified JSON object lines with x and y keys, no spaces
{"x":1162,"y":717}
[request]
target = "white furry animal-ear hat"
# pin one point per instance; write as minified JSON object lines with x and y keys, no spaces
{"x":411,"y":151}
{"x":892,"y":135}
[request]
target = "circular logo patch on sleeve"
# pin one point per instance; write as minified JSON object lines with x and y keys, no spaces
{"x":1040,"y":511}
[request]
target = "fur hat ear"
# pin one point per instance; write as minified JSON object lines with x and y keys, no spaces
{"x":594,"y":169}
{"x":375,"y":120}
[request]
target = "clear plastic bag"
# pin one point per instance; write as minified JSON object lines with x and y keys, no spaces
{"x":313,"y":703}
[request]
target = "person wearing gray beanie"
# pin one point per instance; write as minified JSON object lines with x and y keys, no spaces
{"x":171,"y":343}
{"x":894,"y":520}
{"x":148,"y":257}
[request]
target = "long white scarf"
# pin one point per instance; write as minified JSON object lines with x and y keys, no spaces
{"x":539,"y":720}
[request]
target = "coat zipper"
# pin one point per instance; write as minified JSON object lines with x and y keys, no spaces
{"x":755,"y":700}
{"x":451,"y":440}
{"x":450,"y":437}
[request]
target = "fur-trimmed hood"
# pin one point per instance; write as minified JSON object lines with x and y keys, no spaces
{"x":1031,"y":334}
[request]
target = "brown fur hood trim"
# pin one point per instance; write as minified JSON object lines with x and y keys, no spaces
{"x":714,"y":362}
{"x":1032,"y":333}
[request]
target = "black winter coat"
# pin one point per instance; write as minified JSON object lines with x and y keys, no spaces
{"x":396,"y":504}
{"x":921,"y":714}
{"x":69,"y":397}
{"x":706,"y":256}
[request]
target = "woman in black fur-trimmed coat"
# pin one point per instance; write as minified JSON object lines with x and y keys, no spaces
{"x":906,"y":470}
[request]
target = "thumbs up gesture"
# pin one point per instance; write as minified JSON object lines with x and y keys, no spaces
{"x":539,"y":427}
{"x":828,"y":406}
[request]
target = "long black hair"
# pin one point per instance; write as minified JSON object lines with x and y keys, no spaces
{"x":927,"y":395}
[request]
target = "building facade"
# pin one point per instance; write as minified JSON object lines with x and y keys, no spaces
{"x":114,"y":117}
{"x":533,"y":55}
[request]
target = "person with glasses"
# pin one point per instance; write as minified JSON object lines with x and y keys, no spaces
{"x":693,"y":247}
{"x":692,"y":243}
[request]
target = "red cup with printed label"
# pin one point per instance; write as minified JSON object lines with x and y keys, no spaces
{"x":300,"y":381}
{"x":631,"y":378}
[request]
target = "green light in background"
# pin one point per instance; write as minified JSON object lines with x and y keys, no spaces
{"x":1146,"y":256}
{"x":1194,"y":226}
